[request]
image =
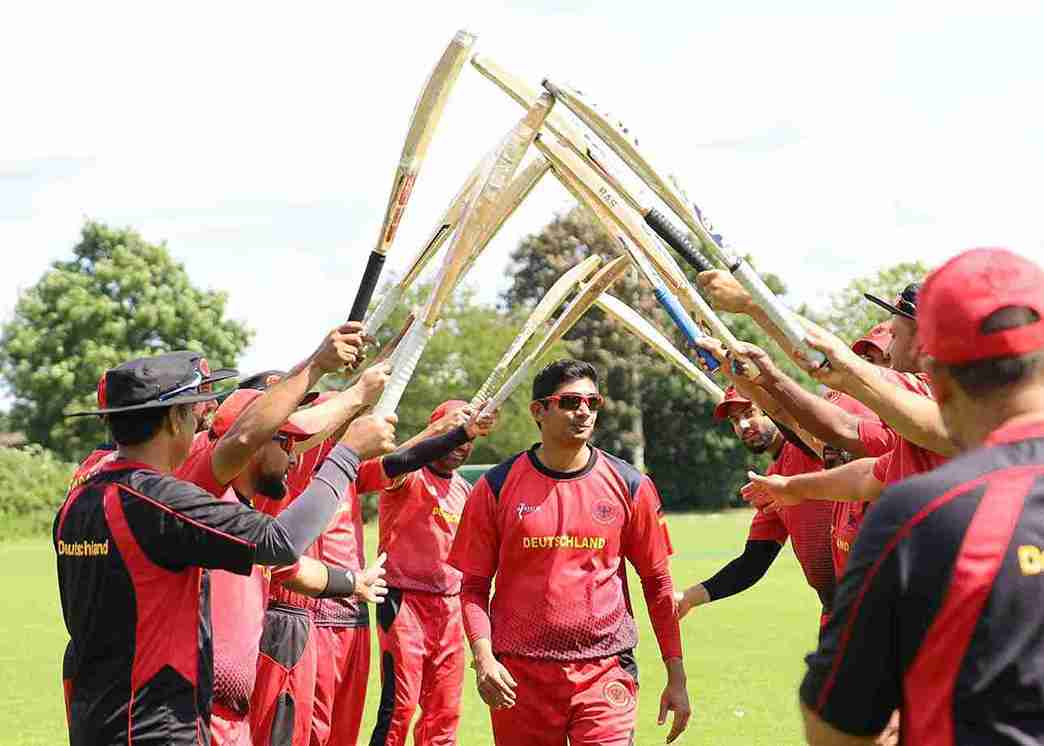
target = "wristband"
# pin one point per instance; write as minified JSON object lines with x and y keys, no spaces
{"x":340,"y":583}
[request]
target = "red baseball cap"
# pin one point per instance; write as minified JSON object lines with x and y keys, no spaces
{"x":732,"y":396}
{"x":961,"y":294}
{"x":445,"y":408}
{"x":234,"y":405}
{"x":880,"y":337}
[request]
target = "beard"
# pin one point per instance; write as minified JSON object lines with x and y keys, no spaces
{"x":271,"y":486}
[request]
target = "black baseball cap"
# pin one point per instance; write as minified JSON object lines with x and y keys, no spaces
{"x":259,"y":382}
{"x":159,"y":381}
{"x":905,"y":304}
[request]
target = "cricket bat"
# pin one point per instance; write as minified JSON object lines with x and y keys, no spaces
{"x":635,"y":323}
{"x":425,"y":119}
{"x":544,"y":310}
{"x":572,"y":313}
{"x":475,"y":224}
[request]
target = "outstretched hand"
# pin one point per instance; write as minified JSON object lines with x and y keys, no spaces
{"x":770,"y":492}
{"x":675,"y":698}
{"x":370,"y":584}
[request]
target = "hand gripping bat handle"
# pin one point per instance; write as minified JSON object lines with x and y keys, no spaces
{"x":775,"y":310}
{"x":404,"y":362}
{"x":382,"y":310}
{"x":677,"y":240}
{"x":369,"y":282}
{"x":686,"y":324}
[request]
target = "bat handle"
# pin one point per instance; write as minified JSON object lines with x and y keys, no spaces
{"x":677,"y":240}
{"x":509,"y":387}
{"x":374,"y":265}
{"x":688,"y":327}
{"x":375,"y":320}
{"x":404,"y":362}
{"x":780,"y":315}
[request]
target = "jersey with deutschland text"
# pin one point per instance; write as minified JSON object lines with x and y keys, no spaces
{"x":807,"y":524}
{"x":131,"y":544}
{"x":418,"y":520}
{"x":941,"y":608}
{"x":556,"y":543}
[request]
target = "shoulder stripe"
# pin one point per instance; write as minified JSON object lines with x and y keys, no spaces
{"x":496,"y":476}
{"x":904,"y":531}
{"x":182,"y":517}
{"x":631,"y":476}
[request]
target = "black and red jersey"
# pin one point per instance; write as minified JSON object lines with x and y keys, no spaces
{"x":940,"y":612}
{"x":131,"y":544}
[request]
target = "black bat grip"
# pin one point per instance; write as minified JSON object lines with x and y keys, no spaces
{"x":677,"y":240}
{"x":374,"y":265}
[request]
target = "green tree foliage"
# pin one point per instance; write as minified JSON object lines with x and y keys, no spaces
{"x":32,"y":485}
{"x":850,"y":315}
{"x":119,"y":297}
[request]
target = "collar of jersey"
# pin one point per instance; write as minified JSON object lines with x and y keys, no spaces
{"x":583,"y":471}
{"x":1023,"y":427}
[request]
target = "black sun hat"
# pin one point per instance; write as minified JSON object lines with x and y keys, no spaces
{"x":159,"y":381}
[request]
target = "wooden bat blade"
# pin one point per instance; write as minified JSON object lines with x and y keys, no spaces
{"x":543,"y":310}
{"x":481,"y":213}
{"x":645,"y":331}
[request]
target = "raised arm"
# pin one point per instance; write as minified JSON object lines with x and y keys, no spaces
{"x":854,"y":481}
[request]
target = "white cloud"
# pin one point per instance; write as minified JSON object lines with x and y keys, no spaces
{"x":260,"y":141}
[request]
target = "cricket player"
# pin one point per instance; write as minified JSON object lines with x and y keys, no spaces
{"x":132,"y":542}
{"x":940,"y":609}
{"x":554,"y":651}
{"x":808,"y":525}
{"x":420,"y":629}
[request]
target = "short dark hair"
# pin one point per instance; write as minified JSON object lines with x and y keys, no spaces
{"x":984,"y":377}
{"x":561,"y":371}
{"x":135,"y":428}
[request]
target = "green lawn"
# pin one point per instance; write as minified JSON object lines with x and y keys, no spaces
{"x":743,"y":655}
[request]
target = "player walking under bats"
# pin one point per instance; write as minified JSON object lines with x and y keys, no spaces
{"x":554,"y":651}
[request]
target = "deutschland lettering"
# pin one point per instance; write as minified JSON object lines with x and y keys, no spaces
{"x":83,"y":548}
{"x":563,"y":542}
{"x":445,"y":515}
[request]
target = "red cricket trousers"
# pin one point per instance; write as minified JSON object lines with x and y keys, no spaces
{"x":590,"y":703}
{"x":340,"y":685}
{"x":422,"y":665}
{"x":281,"y":704}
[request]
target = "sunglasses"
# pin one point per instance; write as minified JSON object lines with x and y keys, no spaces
{"x":285,"y":442}
{"x":193,"y":384}
{"x":572,"y":402}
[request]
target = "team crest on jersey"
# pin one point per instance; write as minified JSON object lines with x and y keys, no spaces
{"x":616,"y":694}
{"x":604,"y":511}
{"x":523,"y":510}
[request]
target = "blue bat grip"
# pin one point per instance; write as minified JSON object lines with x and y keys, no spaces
{"x":686,"y":324}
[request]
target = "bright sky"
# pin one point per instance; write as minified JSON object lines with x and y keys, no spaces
{"x":259,"y":140}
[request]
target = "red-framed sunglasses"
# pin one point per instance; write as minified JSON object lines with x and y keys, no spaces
{"x":572,"y":402}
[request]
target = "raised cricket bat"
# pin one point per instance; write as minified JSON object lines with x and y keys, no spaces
{"x":426,"y":115}
{"x":635,"y":323}
{"x":475,"y":225}
{"x":544,"y":310}
{"x":620,"y":143}
{"x":443,"y":230}
{"x":572,"y":313}
{"x":525,"y":94}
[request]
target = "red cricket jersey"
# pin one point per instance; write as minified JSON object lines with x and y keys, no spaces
{"x":418,"y":520}
{"x":907,"y":459}
{"x":556,"y":542}
{"x":90,"y":466}
{"x":807,"y":524}
{"x":877,"y":438}
{"x":237,"y":603}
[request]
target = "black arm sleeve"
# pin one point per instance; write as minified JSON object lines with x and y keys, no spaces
{"x":402,"y":462}
{"x":300,"y":524}
{"x":744,"y":571}
{"x":179,"y":525}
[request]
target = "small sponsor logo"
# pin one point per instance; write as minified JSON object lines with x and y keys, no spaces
{"x":604,"y":511}
{"x":617,"y":695}
{"x":523,"y":510}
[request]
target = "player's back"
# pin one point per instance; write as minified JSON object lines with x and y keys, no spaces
{"x":969,"y":563}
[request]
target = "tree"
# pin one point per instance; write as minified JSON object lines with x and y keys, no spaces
{"x":118,"y":298}
{"x":850,"y":315}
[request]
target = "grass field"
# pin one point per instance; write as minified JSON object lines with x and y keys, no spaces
{"x":743,"y":655}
